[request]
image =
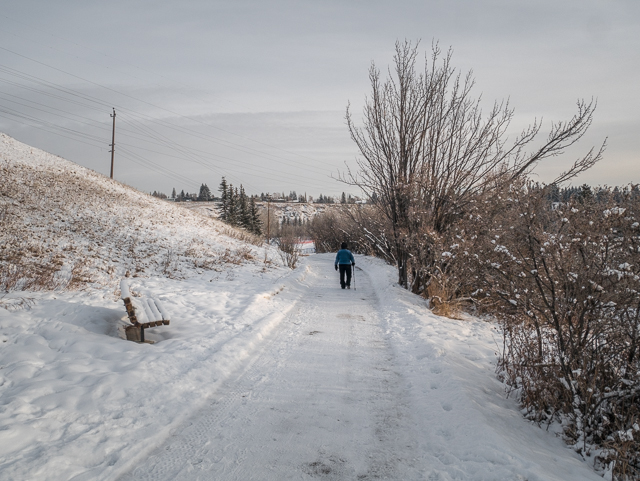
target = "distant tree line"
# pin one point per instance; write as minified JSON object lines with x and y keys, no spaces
{"x":205,"y":195}
{"x":586,"y":192}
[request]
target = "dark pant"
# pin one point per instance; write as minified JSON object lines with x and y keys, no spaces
{"x":345,"y":269}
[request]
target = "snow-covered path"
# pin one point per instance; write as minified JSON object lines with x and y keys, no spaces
{"x":363,"y":385}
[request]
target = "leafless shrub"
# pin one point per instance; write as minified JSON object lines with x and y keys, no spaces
{"x":361,"y":226}
{"x":564,"y":278}
{"x":244,"y":253}
{"x":80,"y":275}
{"x":288,"y":248}
{"x":235,"y":256}
{"x":443,"y":293}
{"x":169,"y":262}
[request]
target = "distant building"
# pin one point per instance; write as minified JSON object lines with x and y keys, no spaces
{"x":306,"y":247}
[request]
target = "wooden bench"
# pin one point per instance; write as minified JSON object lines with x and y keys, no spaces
{"x":143,"y":313}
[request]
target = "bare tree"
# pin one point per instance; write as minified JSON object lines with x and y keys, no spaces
{"x":288,"y":247}
{"x":427,"y":149}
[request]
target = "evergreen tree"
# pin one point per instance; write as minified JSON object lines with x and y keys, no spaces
{"x":584,"y":193}
{"x":617,"y":195}
{"x":205,"y":193}
{"x":256,"y":223}
{"x":173,"y":194}
{"x":181,"y":196}
{"x":232,"y":206}
{"x":554,"y":193}
{"x":343,"y":199}
{"x":224,"y":195}
{"x":243,"y":209}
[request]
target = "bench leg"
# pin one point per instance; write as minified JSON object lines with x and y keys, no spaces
{"x":141,"y":334}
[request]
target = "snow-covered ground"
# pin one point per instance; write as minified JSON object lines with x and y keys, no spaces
{"x":264,"y":373}
{"x":276,"y":375}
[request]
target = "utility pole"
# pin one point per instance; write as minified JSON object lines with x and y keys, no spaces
{"x":113,"y":140}
{"x":268,"y":220}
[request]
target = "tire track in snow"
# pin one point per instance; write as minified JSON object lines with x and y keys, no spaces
{"x":189,"y":445}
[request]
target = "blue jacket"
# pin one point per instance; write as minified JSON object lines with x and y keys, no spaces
{"x":344,"y":256}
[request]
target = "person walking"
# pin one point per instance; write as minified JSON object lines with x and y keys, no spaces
{"x":344,"y":261}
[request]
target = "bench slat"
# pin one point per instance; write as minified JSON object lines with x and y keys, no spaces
{"x":140,"y":310}
{"x":152,"y":306}
{"x":151,"y":318}
{"x":165,"y":315}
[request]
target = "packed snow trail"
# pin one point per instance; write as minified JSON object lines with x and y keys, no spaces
{"x":351,"y":387}
{"x":321,"y":401}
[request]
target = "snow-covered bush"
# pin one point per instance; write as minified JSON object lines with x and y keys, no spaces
{"x":565,"y":281}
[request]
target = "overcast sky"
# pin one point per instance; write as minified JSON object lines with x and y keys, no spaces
{"x":257,"y":90}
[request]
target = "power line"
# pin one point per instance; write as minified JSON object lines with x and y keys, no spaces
{"x":102,"y":126}
{"x":91,"y":122}
{"x":191,"y":152}
{"x":128,"y":154}
{"x":164,"y":109}
{"x":50,"y":131}
{"x":96,"y":104}
{"x":145,"y":117}
{"x":17,"y":114}
{"x":108,"y":56}
{"x":171,"y":80}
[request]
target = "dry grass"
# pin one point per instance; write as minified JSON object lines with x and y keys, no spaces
{"x":16,"y":303}
{"x":443,"y":295}
{"x":241,"y":235}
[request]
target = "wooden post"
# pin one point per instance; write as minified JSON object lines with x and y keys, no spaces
{"x":269,"y":220}
{"x":113,"y":140}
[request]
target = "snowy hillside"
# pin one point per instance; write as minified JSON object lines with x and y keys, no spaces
{"x":66,"y":225}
